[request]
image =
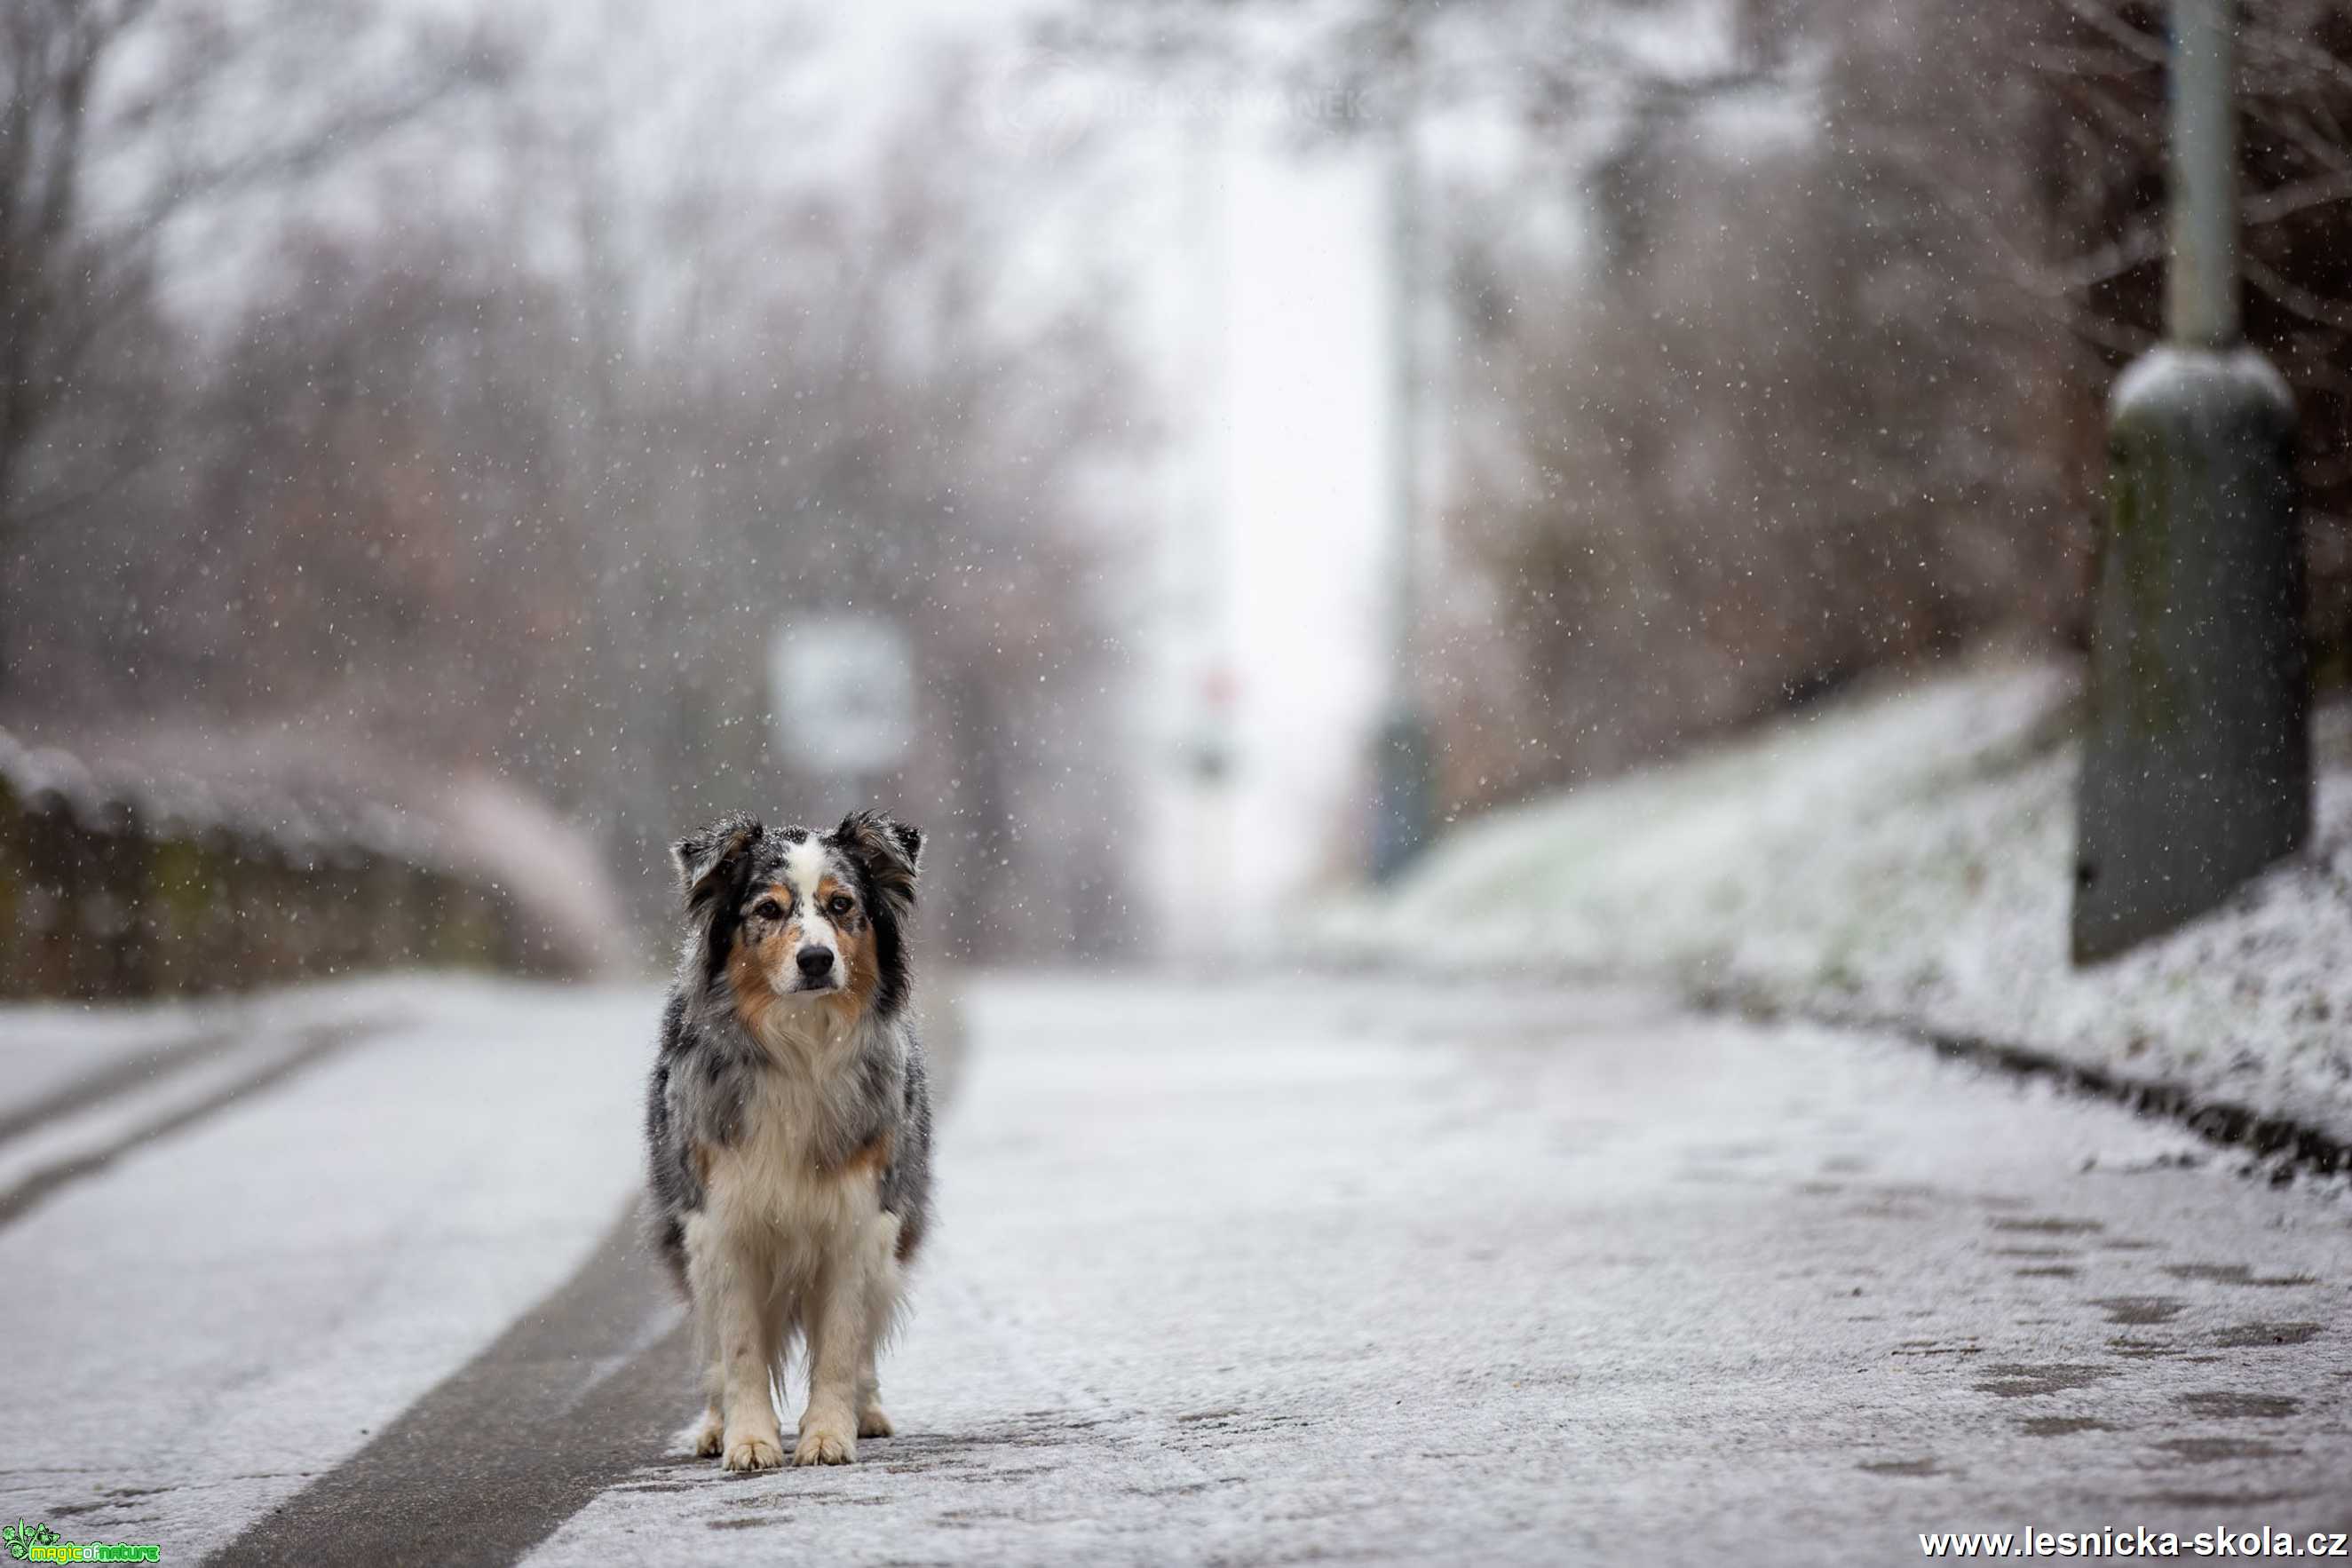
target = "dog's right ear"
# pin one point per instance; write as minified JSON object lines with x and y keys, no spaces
{"x":716,"y":859}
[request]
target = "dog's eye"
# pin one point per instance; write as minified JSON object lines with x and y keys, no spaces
{"x":768,"y":909}
{"x":840,"y":903}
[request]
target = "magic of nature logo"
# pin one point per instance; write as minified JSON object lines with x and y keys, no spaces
{"x":39,"y":1543}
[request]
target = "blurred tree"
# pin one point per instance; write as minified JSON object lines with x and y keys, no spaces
{"x":1783,"y":332}
{"x":506,"y":445}
{"x":119,"y":117}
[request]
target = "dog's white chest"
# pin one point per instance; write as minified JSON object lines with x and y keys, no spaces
{"x":770,"y":1177}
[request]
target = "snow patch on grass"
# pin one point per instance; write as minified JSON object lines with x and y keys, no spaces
{"x":1905,"y":854}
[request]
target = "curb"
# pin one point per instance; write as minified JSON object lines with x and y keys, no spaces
{"x":2282,"y":1146}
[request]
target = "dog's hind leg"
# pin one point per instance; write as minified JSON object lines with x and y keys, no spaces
{"x":882,"y":1286}
{"x":706,"y":1435}
{"x":732,"y":1293}
{"x":872,"y":1420}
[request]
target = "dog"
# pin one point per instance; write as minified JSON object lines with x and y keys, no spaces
{"x":788,"y":1124}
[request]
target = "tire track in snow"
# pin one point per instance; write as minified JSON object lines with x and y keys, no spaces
{"x":111,"y":1114}
{"x":581,"y":1392}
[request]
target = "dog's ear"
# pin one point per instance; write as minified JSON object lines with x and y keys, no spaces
{"x":890,"y":850}
{"x":717,"y":860}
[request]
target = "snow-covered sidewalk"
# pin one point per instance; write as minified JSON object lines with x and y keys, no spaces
{"x":1903,"y":856}
{"x":255,"y":1279}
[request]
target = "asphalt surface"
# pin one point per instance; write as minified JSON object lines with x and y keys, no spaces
{"x":1224,"y":1273}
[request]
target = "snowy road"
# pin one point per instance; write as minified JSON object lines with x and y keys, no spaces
{"x":1284,"y":1270}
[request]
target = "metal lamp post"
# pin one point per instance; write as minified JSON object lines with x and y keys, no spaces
{"x":1402,"y":758}
{"x":2197,"y":771}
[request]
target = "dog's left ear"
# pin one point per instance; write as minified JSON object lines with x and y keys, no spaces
{"x":889,"y":849}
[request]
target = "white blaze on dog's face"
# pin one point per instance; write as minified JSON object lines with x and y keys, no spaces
{"x":803,"y":926}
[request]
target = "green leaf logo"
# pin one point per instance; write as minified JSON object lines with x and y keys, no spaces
{"x":22,"y":1538}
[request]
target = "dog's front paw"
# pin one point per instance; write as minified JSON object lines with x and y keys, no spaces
{"x":706,"y":1437}
{"x":825,"y":1445}
{"x":872,"y":1423}
{"x":755,"y":1451}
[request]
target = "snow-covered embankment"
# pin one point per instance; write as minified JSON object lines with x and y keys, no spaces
{"x":1903,"y":856}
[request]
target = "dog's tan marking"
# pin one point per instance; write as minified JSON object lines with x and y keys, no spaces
{"x":746,"y":980}
{"x":854,"y":933}
{"x":751,"y":968}
{"x":870,"y":1158}
{"x":785,"y":933}
{"x":698,"y":1154}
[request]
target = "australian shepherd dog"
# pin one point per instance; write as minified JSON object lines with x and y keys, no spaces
{"x":789,"y":1124}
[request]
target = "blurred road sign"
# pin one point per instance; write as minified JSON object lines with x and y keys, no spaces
{"x":843,"y":689}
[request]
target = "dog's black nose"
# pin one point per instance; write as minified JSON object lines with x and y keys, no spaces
{"x":815,"y":963}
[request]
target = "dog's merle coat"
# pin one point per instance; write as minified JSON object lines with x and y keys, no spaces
{"x":790,"y":1077}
